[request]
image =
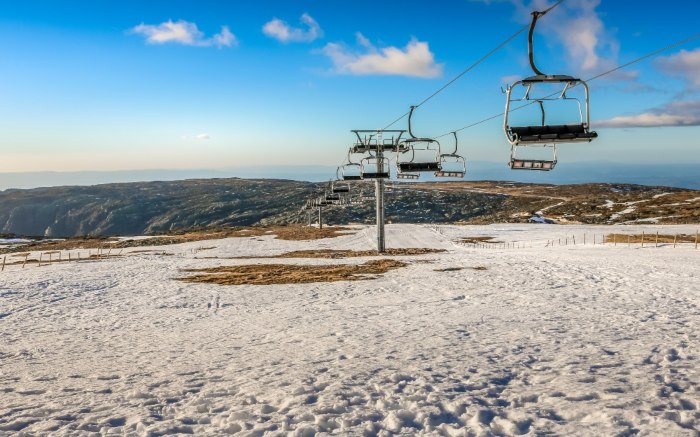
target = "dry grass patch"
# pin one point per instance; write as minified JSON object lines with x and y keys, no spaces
{"x":336,"y":254}
{"x":268,"y":274}
{"x":477,"y":240}
{"x":650,"y":238}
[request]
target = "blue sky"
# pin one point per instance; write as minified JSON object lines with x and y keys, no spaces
{"x":97,"y":85}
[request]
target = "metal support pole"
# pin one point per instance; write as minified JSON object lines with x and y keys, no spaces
{"x":379,"y":195}
{"x":320,"y":218}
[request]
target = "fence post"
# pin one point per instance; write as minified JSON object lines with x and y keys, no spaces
{"x":25,"y":260}
{"x":642,"y":238}
{"x":675,"y":236}
{"x":3,"y":262}
{"x":656,"y":242}
{"x":696,"y":239}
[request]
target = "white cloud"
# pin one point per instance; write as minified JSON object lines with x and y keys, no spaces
{"x":685,"y":113}
{"x":199,"y":137}
{"x":415,"y":59}
{"x":685,"y":64}
{"x":183,"y":32}
{"x":575,"y":24}
{"x":283,"y":32}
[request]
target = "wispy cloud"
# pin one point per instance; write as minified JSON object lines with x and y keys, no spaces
{"x":590,"y":47}
{"x":183,"y":32}
{"x":285,"y":33}
{"x":685,"y":64}
{"x":199,"y":137}
{"x":685,"y":113}
{"x":414,"y":60}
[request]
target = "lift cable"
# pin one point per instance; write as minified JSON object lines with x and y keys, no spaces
{"x":634,"y":61}
{"x":471,"y":67}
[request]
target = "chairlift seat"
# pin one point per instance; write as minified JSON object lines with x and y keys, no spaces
{"x":418,"y":166}
{"x":532,"y":164}
{"x":352,"y":177}
{"x":407,"y":176}
{"x":550,"y":78}
{"x":551,"y":133}
{"x":375,"y":175}
{"x":449,"y":174}
{"x":332,"y":197}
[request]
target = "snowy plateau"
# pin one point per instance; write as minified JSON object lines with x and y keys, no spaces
{"x":530,"y":338}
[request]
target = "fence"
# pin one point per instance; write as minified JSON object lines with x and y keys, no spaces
{"x":47,"y":258}
{"x":629,"y":240}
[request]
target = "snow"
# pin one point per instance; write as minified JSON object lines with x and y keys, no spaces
{"x":564,"y":340}
{"x":14,"y":240}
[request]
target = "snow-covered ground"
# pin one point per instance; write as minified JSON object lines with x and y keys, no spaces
{"x":558,"y":340}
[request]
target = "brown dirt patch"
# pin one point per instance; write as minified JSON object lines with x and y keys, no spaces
{"x":336,"y":254}
{"x":650,"y":238}
{"x":477,"y":240}
{"x":268,"y":274}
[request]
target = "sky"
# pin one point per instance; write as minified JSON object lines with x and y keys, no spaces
{"x":103,"y":85}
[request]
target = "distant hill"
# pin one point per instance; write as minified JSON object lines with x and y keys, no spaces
{"x":157,"y":207}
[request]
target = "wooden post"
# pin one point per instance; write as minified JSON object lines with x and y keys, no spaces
{"x":3,"y":262}
{"x":40,"y":259}
{"x":696,"y":239}
{"x":675,"y":236}
{"x":656,"y":242}
{"x":26,"y":255}
{"x":642,"y":238}
{"x":68,"y":256}
{"x":594,"y":239}
{"x":573,"y":238}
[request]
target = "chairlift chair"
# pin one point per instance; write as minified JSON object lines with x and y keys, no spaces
{"x":370,"y":143}
{"x":374,"y":167}
{"x":533,"y":164}
{"x":339,"y":187}
{"x":544,"y":133}
{"x":452,"y":164}
{"x":426,"y":160}
{"x":403,"y":175}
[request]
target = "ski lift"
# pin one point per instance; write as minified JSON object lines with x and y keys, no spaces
{"x":544,"y":133}
{"x":374,"y":167}
{"x":404,"y":175}
{"x":533,"y":164}
{"x":331,"y":197}
{"x":428,"y":157}
{"x":452,"y":165}
{"x":369,"y":143}
{"x":352,"y":171}
{"x":340,"y":187}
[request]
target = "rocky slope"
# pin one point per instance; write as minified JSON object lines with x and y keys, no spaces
{"x":157,"y":207}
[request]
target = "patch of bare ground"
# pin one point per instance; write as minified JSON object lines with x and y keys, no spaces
{"x":651,"y":238}
{"x":292,"y":232}
{"x":269,"y":274}
{"x":337,"y":254}
{"x":477,"y":240}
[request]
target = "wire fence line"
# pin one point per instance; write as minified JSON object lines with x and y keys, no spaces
{"x":648,"y":240}
{"x":47,"y":258}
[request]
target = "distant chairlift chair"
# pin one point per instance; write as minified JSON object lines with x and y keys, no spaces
{"x":544,"y":134}
{"x":420,"y":154}
{"x":452,"y":164}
